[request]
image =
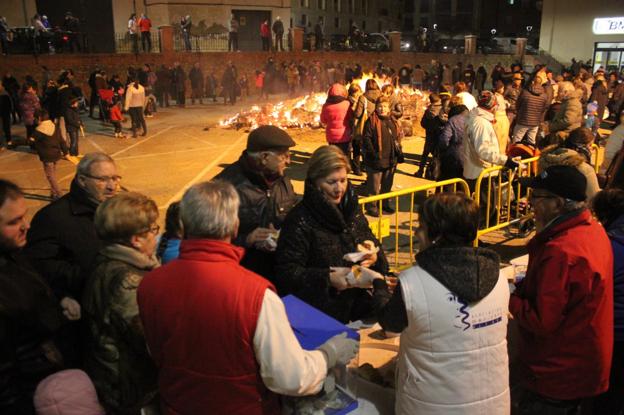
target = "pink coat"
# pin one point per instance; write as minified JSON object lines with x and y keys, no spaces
{"x":337,"y":115}
{"x":68,"y":392}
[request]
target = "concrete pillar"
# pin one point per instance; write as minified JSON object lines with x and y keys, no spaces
{"x":166,"y":38}
{"x":470,"y":44}
{"x":521,"y":43}
{"x":297,"y":39}
{"x":395,"y":41}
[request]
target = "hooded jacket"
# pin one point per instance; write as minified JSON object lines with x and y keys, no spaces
{"x":531,"y":106}
{"x":570,"y":114}
{"x":315,"y":236}
{"x":453,"y":353}
{"x":366,"y":103}
{"x":49,"y":144}
{"x":116,"y":358}
{"x":337,"y":115}
{"x":559,"y":156}
{"x":450,"y":144}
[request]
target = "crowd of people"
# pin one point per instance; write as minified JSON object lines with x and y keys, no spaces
{"x":93,"y":298}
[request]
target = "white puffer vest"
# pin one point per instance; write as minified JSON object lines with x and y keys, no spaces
{"x":453,"y":355}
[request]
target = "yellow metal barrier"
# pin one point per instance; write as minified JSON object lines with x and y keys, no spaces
{"x":503,"y":194}
{"x":405,"y":215}
{"x":596,"y":160}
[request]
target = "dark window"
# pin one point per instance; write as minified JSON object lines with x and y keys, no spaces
{"x":424,"y":6}
{"x":363,"y":24}
{"x":464,"y":6}
{"x":304,"y":20}
{"x":337,"y":22}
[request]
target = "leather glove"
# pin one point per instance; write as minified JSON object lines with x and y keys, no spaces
{"x":510,"y":164}
{"x":339,"y":350}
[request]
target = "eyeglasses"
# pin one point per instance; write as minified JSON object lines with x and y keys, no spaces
{"x":104,"y":179}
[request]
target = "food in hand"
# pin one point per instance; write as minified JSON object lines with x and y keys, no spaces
{"x":357,"y":272}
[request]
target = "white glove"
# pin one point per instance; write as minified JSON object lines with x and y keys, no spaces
{"x":339,"y":350}
{"x":71,"y":308}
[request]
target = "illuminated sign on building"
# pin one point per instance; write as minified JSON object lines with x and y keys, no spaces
{"x":609,"y":26}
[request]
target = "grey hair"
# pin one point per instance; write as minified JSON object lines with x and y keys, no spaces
{"x":565,"y":89}
{"x":572,"y":205}
{"x":84,"y":166}
{"x":210,"y":210}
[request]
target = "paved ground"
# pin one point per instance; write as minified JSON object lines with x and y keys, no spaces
{"x":184,"y":147}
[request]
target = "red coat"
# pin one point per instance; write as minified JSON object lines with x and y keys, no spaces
{"x":199,"y":314}
{"x":564,"y":310}
{"x":145,"y":24}
{"x":265,"y":30}
{"x":115,"y":113}
{"x":336,"y":115}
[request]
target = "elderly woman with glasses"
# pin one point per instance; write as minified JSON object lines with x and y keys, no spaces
{"x":116,"y":357}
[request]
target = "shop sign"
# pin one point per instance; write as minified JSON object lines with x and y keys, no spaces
{"x":609,"y":26}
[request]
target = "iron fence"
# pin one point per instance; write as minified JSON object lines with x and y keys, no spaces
{"x":124,"y":43}
{"x":214,"y":42}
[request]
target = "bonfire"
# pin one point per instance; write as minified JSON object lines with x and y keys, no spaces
{"x":305,"y":112}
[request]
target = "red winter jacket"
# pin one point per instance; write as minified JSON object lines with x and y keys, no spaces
{"x":336,"y":115}
{"x":145,"y":24}
{"x":265,"y":30}
{"x":199,"y":314}
{"x":564,"y":310}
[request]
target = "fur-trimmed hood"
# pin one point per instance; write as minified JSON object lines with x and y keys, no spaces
{"x":558,"y":156}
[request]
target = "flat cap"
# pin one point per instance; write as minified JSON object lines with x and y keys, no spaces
{"x":269,"y":137}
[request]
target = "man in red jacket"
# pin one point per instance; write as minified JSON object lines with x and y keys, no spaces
{"x":218,"y":332}
{"x":564,"y":306}
{"x":145,"y":26}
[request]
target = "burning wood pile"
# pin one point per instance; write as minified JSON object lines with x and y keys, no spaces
{"x":305,"y":112}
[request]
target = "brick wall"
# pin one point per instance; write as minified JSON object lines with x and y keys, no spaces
{"x":246,"y":62}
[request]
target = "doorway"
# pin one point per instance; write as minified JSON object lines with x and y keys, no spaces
{"x":249,"y":27}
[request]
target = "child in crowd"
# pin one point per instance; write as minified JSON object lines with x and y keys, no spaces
{"x":73,"y":125}
{"x":591,"y":118}
{"x":50,"y":147}
{"x":260,"y":82}
{"x":169,"y":243}
{"x":116,"y":118}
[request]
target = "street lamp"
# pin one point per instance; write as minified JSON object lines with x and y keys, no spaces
{"x":529,"y":29}
{"x":435,"y":26}
{"x":493,"y":32}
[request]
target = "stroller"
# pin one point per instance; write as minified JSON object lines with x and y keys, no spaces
{"x":525,"y":224}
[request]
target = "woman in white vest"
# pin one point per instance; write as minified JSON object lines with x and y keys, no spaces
{"x":451,"y":311}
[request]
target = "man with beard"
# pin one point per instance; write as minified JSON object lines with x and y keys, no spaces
{"x":29,"y":313}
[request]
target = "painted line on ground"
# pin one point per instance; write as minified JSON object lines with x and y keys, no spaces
{"x":123,"y":150}
{"x":72,"y":174}
{"x":202,"y":173}
{"x":167,"y":153}
{"x":96,"y":145}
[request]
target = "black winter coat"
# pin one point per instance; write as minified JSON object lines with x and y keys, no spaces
{"x":261,"y":203}
{"x":62,"y":242}
{"x":29,"y":318}
{"x":315,"y":236}
{"x":531,"y":106}
{"x":375,"y":157}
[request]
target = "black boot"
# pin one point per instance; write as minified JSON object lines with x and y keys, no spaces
{"x":372,"y":210}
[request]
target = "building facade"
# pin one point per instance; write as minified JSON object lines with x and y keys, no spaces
{"x":584,"y":30}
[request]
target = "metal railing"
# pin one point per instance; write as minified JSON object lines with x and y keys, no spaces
{"x":400,"y":243}
{"x":125,"y":44}
{"x":216,"y":42}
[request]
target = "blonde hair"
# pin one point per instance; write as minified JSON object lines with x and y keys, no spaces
{"x":119,"y":218}
{"x":326,"y":160}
